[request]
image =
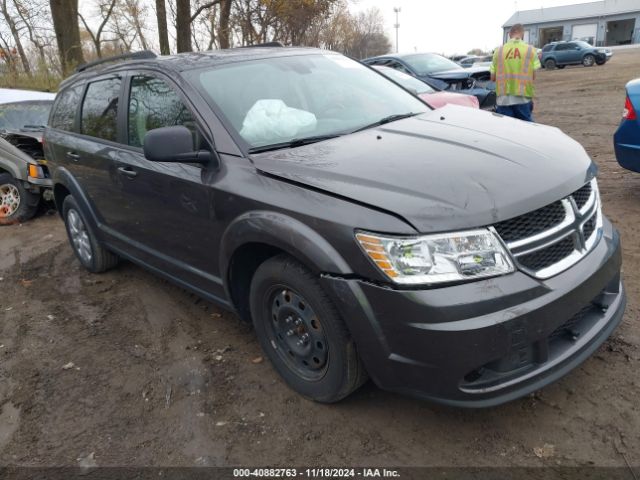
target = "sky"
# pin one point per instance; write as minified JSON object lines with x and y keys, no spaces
{"x":450,"y":26}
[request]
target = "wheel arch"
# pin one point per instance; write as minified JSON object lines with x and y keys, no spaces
{"x":65,"y":184}
{"x":256,"y":236}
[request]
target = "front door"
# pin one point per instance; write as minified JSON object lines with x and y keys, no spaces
{"x":170,"y":204}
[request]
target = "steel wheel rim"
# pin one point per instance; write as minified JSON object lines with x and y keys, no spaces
{"x":79,"y":236}
{"x":588,"y":61}
{"x":9,"y":199}
{"x":296,"y":334}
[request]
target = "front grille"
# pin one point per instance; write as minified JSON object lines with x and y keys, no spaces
{"x":549,"y":240}
{"x":589,"y":227}
{"x":548,"y":256}
{"x":582,"y":196}
{"x":532,"y":223}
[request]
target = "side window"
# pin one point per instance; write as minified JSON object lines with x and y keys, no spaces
{"x":154,"y":104}
{"x":100,"y":109}
{"x":563,"y":47}
{"x":64,"y":115}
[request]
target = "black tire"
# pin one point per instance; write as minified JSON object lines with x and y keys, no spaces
{"x":100,"y":259}
{"x":17,"y":204}
{"x":560,"y":66}
{"x":337,"y":371}
{"x":589,"y":60}
{"x":550,"y":64}
{"x":600,"y":62}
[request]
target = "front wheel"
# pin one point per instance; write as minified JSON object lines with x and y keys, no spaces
{"x":17,"y":204}
{"x":589,"y":60}
{"x":302,"y":333}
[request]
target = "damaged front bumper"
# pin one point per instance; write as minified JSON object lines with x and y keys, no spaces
{"x":488,"y":342}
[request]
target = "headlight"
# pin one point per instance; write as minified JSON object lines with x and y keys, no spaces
{"x":439,"y":258}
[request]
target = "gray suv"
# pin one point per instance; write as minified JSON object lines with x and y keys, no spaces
{"x":453,"y":254}
{"x":578,"y":52}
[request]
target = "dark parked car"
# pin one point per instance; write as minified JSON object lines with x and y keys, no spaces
{"x":443,"y":74}
{"x":433,"y":97}
{"x":476,"y":60}
{"x":452,"y":254}
{"x":24,"y":177}
{"x":561,"y":54}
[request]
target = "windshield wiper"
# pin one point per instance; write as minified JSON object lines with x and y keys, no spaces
{"x":296,"y":142}
{"x":389,"y":119}
{"x":33,"y":127}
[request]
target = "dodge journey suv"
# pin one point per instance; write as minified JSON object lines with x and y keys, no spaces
{"x":452,"y":254}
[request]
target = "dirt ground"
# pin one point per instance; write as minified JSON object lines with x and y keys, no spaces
{"x":126,"y":369}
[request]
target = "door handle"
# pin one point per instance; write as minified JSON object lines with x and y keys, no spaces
{"x":127,"y":172}
{"x":73,"y":156}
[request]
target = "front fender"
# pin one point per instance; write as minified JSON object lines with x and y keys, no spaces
{"x":13,"y":160}
{"x":287,"y":234}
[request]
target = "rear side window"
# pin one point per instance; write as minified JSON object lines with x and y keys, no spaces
{"x":64,"y":115}
{"x":547,"y":48}
{"x":154,"y":104}
{"x":100,"y":109}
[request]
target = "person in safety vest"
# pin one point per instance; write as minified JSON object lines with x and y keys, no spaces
{"x":514,"y":70}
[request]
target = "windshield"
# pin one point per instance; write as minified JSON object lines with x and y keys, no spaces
{"x":280,"y":99}
{"x":20,"y":115}
{"x":583,"y":44}
{"x":428,"y":63}
{"x":407,"y":81}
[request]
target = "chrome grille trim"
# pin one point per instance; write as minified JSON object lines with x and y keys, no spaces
{"x":572,"y":226}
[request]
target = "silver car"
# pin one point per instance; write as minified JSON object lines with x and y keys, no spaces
{"x":24,"y":177}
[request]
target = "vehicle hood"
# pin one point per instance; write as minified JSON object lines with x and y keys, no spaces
{"x":458,"y":74}
{"x":37,"y":134}
{"x":451,"y":168}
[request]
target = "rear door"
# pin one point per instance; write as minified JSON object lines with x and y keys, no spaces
{"x":96,"y":147}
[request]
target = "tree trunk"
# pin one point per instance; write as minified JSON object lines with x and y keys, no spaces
{"x":163,"y":34}
{"x":183,"y":25}
{"x":65,"y":22}
{"x":224,"y":33}
{"x":16,"y":37}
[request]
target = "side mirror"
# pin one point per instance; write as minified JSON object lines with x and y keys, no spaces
{"x":173,"y":144}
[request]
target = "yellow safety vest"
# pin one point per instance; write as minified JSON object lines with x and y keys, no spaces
{"x":514,"y":69}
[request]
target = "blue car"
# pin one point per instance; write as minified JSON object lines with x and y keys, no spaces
{"x":627,"y":138}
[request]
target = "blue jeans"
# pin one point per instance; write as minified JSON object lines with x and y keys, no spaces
{"x":522,"y":111}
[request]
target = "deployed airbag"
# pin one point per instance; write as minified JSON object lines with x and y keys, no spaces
{"x":271,"y":120}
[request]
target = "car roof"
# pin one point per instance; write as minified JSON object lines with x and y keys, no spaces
{"x":189,"y":60}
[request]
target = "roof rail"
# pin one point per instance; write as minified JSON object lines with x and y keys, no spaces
{"x":143,"y":54}
{"x":266,"y":44}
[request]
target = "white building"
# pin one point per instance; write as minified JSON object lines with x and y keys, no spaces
{"x":603,"y":23}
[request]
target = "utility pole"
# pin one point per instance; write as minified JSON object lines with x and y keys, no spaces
{"x":397,"y":10}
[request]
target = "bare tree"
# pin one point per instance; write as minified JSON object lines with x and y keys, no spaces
{"x":224,"y":30}
{"x":134,"y":12}
{"x":16,"y":36}
{"x":163,"y":33}
{"x":64,"y":14}
{"x":31,"y":16}
{"x":106,"y":9}
{"x":183,"y":25}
